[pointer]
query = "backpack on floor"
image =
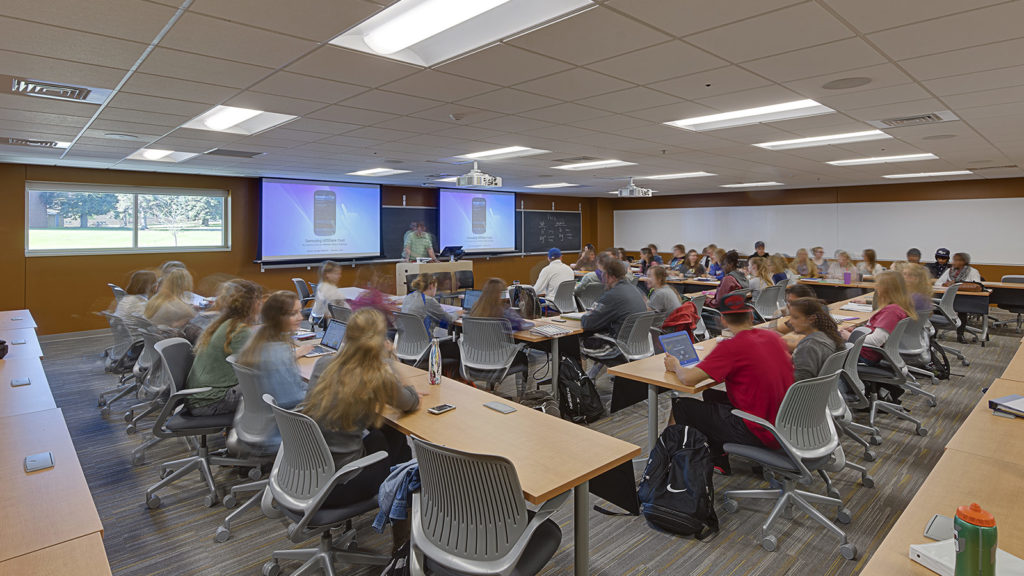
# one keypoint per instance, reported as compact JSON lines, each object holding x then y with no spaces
{"x":677,"y":490}
{"x":540,"y":401}
{"x":939,"y":363}
{"x":578,"y":400}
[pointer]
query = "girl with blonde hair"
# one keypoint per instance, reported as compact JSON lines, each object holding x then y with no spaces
{"x":169,"y":306}
{"x":803,"y":266}
{"x":893,"y":304}
{"x":328,"y":289}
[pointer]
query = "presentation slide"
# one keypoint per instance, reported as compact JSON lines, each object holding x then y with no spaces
{"x":303,"y":219}
{"x":478,"y":221}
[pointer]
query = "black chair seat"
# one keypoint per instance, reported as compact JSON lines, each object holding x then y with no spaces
{"x":874,"y":371}
{"x":776,"y":459}
{"x":542,"y":546}
{"x":940,"y":320}
{"x":184,"y":422}
{"x":332,"y":516}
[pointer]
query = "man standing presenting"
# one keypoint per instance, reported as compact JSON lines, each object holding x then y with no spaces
{"x":553,"y":274}
{"x":418,"y":244}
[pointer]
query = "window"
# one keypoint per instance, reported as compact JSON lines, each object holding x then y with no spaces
{"x":97,"y":219}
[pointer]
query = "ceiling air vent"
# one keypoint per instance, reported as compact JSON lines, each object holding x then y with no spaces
{"x":233,"y":153}
{"x":34,"y":143}
{"x":54,"y":90}
{"x":916,"y":120}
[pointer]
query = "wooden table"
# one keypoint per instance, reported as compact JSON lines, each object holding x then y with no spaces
{"x":47,"y":507}
{"x":959,"y":478}
{"x":990,"y":436}
{"x":551,"y":455}
{"x":83,"y":556}
{"x":13,"y":319}
{"x":29,"y":349}
{"x":1015,"y":369}
{"x":33,"y":397}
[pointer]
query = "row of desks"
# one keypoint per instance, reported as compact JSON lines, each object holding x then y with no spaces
{"x":50,"y":524}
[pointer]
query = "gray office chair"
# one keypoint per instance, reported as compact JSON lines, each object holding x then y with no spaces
{"x":564,"y":300}
{"x":853,"y":372}
{"x":843,"y":419}
{"x":305,"y":297}
{"x":300,"y":482}
{"x":804,"y":429}
{"x":590,"y":294}
{"x":633,"y":342}
{"x":767,"y":302}
{"x":412,"y":341}
{"x":118,"y":291}
{"x":712,"y":318}
{"x":470,"y":518}
{"x":945,"y":318}
{"x":701,"y":332}
{"x":915,"y":346}
{"x":120,"y":360}
{"x":892,"y":370}
{"x":488,"y":352}
{"x":339,"y":312}
{"x":839,"y":404}
{"x":1016,"y":306}
{"x":152,"y":384}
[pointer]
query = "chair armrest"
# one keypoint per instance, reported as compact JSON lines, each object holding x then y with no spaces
{"x":297,"y":532}
{"x":778,"y":438}
{"x":174,"y":402}
{"x":604,"y":337}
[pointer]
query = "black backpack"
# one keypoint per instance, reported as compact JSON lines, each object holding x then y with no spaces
{"x":677,"y":491}
{"x":578,"y":400}
{"x":540,"y":401}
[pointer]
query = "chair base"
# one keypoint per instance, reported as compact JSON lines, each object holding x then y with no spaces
{"x":201,"y":461}
{"x":897,"y":411}
{"x":224,"y":530}
{"x":323,"y":558}
{"x":850,"y":429}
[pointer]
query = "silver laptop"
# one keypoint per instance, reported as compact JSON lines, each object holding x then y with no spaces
{"x":331,"y":342}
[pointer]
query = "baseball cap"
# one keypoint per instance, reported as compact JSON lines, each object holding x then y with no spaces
{"x":554,"y":253}
{"x":942,"y":253}
{"x":733,"y":304}
{"x":759,"y":244}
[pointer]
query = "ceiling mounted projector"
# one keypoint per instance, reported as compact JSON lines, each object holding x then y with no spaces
{"x":631,"y":191}
{"x":476,"y":178}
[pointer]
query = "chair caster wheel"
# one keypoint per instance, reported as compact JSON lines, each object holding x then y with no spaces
{"x":730,"y":506}
{"x":965,"y":363}
{"x":769,"y":543}
{"x":833,"y":493}
{"x":255,"y":474}
{"x":875,"y":440}
{"x":867,"y":481}
{"x":922,"y":431}
{"x":131,"y":429}
{"x":222,"y":535}
{"x":129,"y":416}
{"x":271,"y":568}
{"x":210,"y":501}
{"x":138,"y":459}
{"x":869,"y":456}
{"x":849,"y":551}
{"x":844,"y":516}
{"x":105,"y":411}
{"x":932,"y":403}
{"x":101,"y":402}
{"x":230,"y":501}
{"x":153,"y":502}
{"x":165,"y":473}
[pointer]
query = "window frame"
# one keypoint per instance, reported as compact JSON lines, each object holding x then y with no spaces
{"x":135,"y":192}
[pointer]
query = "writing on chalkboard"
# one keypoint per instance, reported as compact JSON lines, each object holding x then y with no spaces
{"x":545,"y":230}
{"x":552,"y":230}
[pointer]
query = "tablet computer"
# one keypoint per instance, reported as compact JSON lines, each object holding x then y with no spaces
{"x":679,"y":345}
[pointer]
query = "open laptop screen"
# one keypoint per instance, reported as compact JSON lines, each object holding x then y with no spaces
{"x":334,"y":335}
{"x":470,"y":298}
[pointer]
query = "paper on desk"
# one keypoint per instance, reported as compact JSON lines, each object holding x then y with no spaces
{"x":940,"y":557}
{"x":857,"y":307}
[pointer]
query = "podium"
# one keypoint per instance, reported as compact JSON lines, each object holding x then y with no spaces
{"x":404,"y":269}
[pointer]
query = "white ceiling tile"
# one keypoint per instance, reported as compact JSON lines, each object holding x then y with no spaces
{"x":220,"y":38}
{"x":391,"y":102}
{"x":509,"y":101}
{"x":307,"y":87}
{"x":469,"y":133}
{"x":593,"y":35}
{"x":830,"y":58}
{"x":672,"y":112}
{"x":382,"y":134}
{"x":882,"y":76}
{"x":272,"y":103}
{"x":696,"y":15}
{"x":343,"y":65}
{"x":874,"y":15}
{"x":321,"y":126}
{"x":668,"y":60}
{"x":38,"y":39}
{"x":504,"y":65}
{"x":879,"y":97}
{"x":155,"y":118}
{"x":150,"y":85}
{"x":411,"y":124}
{"x":564,"y":113}
{"x":19,"y":102}
{"x":711,"y":83}
{"x":981,"y":26}
{"x":439,"y":86}
{"x":41,"y":118}
{"x":154,"y":104}
{"x":965,"y":61}
{"x":349,"y":115}
{"x":788,"y":29}
{"x":612,"y":123}
{"x":573,"y":84}
{"x":128,"y":19}
{"x":630,"y":99}
{"x":568,"y":133}
{"x":319,"y":20}
{"x":177,"y":64}
{"x":61,"y":71}
{"x":512,"y":124}
{"x":1010,"y":95}
{"x":977,"y":82}
{"x":121,"y":127}
{"x":763,"y":96}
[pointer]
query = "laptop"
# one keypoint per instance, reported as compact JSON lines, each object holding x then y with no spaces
{"x":331,"y":342}
{"x":679,"y":345}
{"x":469,"y":298}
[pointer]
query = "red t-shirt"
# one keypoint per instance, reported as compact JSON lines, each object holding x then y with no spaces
{"x":885,"y":319}
{"x":757,"y":370}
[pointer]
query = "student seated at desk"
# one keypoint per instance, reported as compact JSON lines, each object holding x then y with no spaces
{"x":893,"y":303}
{"x":348,"y":395}
{"x":715,"y":269}
{"x":587,"y":260}
{"x":960,"y":271}
{"x":819,"y":260}
{"x":759,"y":275}
{"x":733,"y":279}
{"x":802,"y":265}
{"x":914,"y":256}
{"x":553,"y":274}
{"x":239,"y":303}
{"x":141,"y":286}
{"x":646,"y":260}
{"x":841,"y":267}
{"x":421,"y":302}
{"x":811,"y":319}
{"x":328,"y":290}
{"x":759,"y":250}
{"x":779,"y":268}
{"x":661,"y":297}
{"x":272,"y":352}
{"x":618,"y":301}
{"x":169,"y":307}
{"x":793,"y":292}
{"x":757,"y":371}
{"x":869,"y":265}
{"x":655,"y":257}
{"x":706,"y":256}
{"x":941,"y":263}
{"x":691,"y":268}
{"x":678,"y":262}
{"x":919,"y":285}
{"x":490,"y":304}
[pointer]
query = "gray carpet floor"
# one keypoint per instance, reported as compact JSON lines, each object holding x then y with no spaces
{"x":178,"y":537}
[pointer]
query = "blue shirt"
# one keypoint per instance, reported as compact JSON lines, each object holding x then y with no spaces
{"x":716,"y":271}
{"x":778,"y":277}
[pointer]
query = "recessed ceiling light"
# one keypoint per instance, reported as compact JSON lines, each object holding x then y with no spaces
{"x":753,"y":185}
{"x":379,"y":172}
{"x":449,"y":179}
{"x":930,"y":174}
{"x":596,"y":164}
{"x":884,"y":159}
{"x":501,"y":153}
{"x":846,"y":138}
{"x":119,"y":136}
{"x":674,"y":176}
{"x":846,"y":83}
{"x":236,"y":120}
{"x":554,"y":185}
{"x":773,"y":113}
{"x":425,"y":32}
{"x":159,"y":155}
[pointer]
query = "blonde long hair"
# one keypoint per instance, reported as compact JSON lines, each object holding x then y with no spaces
{"x":237,"y":302}
{"x":812,"y":268}
{"x":917,"y":278}
{"x":760,"y":266}
{"x":172,"y":287}
{"x":777,"y":263}
{"x":891,"y":289}
{"x":358,"y":384}
{"x":275,"y":313}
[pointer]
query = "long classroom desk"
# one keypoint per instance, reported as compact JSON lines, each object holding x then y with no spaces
{"x":21,"y":343}
{"x":83,"y":556}
{"x":13,"y":319}
{"x":32,"y":397}
{"x":989,"y":436}
{"x":1015,"y":369}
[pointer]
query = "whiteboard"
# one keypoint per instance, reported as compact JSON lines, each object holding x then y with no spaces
{"x":990,"y":229}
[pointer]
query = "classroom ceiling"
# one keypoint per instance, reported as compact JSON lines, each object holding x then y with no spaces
{"x":597,"y":85}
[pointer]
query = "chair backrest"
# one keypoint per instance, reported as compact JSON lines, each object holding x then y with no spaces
{"x":471,"y":505}
{"x":892,"y":344}
{"x":301,"y":288}
{"x":486,"y":343}
{"x":836,"y":362}
{"x":408,"y":281}
{"x":304,"y":462}
{"x":122,"y":337}
{"x":783,"y":281}
{"x":915,"y":338}
{"x":946,"y":304}
{"x":464,"y":280}
{"x":411,"y":338}
{"x":1013,"y":279}
{"x":339,"y":312}
{"x":156,"y":380}
{"x":804,"y":419}
{"x":698,"y":302}
{"x":254,"y":425}
{"x":767,"y":302}
{"x":591,"y":294}
{"x":118,"y":291}
{"x":634,"y":337}
{"x":176,"y":357}
{"x":564,"y":298}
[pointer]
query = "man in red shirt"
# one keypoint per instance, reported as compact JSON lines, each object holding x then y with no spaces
{"x":757,"y":370}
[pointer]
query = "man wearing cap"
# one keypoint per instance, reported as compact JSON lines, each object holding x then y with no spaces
{"x":759,"y":250}
{"x":914,"y":256}
{"x":553,"y":274}
{"x":757,"y":370}
{"x":941,"y":263}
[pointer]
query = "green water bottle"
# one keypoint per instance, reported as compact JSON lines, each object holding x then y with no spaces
{"x":975,"y":538}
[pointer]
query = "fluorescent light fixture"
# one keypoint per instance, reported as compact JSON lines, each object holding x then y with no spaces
{"x":502,"y":153}
{"x":554,"y":185}
{"x":773,"y":113}
{"x":59,"y":144}
{"x":930,"y":174}
{"x":427,"y":32}
{"x":234,"y":120}
{"x":847,"y":138}
{"x":594,"y":165}
{"x":753,"y":185}
{"x":449,"y":179}
{"x":158,"y":155}
{"x":676,"y":176}
{"x":379,"y":172}
{"x":884,"y":159}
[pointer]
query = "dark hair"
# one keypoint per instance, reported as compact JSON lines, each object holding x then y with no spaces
{"x":653,"y":247}
{"x":820,"y":317}
{"x":615,"y":268}
{"x":659,"y":274}
{"x":681,"y":248}
{"x":732,"y":258}
{"x":963,"y":256}
{"x":800,"y":291}
{"x":645,"y":251}
{"x":870,"y":257}
{"x":141,"y":282}
{"x":737,"y":318}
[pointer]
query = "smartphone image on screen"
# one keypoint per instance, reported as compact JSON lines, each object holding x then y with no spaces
{"x":479,"y":215}
{"x":324,"y":213}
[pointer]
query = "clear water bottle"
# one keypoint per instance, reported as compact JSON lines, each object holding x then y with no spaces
{"x":434,"y":363}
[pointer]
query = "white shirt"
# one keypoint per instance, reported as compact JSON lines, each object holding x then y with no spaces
{"x":552,"y":275}
{"x":327,"y":293}
{"x":972,"y":276}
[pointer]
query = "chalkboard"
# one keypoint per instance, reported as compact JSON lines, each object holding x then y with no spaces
{"x":545,"y":230}
{"x":394,"y":223}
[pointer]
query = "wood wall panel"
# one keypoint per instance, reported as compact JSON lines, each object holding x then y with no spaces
{"x":12,"y":236}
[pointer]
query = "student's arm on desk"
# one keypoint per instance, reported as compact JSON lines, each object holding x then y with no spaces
{"x":688,"y":376}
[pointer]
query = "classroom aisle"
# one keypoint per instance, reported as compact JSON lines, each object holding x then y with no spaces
{"x":178,"y":538}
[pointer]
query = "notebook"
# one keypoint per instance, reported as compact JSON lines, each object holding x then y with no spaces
{"x":679,"y":345}
{"x":1012,"y":404}
{"x":331,"y":341}
{"x":940,"y":557}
